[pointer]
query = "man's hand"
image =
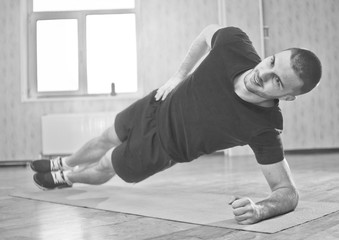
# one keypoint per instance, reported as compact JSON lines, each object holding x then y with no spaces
{"x":245,"y":210}
{"x":167,"y":88}
{"x":198,"y":49}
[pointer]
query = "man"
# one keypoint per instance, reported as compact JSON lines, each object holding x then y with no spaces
{"x":230,"y":99}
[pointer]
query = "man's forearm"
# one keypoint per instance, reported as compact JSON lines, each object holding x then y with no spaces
{"x":197,"y":50}
{"x":281,"y":201}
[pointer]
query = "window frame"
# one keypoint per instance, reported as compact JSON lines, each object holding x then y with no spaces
{"x":30,"y":87}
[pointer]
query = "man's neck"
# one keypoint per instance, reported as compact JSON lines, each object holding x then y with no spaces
{"x":241,"y":90}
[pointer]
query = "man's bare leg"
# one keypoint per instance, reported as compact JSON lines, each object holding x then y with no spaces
{"x":96,"y":168}
{"x":95,"y":149}
{"x":95,"y":173}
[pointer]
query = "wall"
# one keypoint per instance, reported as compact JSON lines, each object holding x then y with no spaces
{"x":247,"y":15}
{"x":312,"y":120}
{"x":166,"y":30}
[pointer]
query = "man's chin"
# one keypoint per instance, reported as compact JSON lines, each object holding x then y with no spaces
{"x":249,"y":87}
{"x":256,"y":92}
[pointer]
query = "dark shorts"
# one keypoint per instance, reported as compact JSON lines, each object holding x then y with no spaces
{"x":140,"y":154}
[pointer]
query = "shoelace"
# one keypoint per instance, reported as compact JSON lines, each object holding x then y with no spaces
{"x":58,"y":177}
{"x":56,"y":164}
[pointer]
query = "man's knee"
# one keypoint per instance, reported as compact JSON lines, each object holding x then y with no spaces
{"x":105,"y":163}
{"x":104,"y":171}
{"x":110,"y":136}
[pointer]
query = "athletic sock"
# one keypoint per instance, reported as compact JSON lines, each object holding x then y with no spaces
{"x":65,"y":175}
{"x":63,"y":163}
{"x":56,"y":164}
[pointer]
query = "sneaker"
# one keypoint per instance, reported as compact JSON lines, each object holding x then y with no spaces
{"x":46,"y":165}
{"x":51,"y":180}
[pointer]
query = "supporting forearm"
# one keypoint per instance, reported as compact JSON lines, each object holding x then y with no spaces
{"x":281,"y":201}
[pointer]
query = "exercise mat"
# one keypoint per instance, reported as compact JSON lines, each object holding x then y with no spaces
{"x":205,"y":208}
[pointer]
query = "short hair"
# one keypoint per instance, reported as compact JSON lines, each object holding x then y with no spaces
{"x":307,"y":67}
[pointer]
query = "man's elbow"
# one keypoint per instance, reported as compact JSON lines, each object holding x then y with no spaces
{"x":208,"y":33}
{"x":294,"y":198}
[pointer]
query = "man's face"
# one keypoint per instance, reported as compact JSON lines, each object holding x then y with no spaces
{"x":274,"y":78}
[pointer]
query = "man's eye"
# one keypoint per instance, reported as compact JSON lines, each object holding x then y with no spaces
{"x":278,"y":81}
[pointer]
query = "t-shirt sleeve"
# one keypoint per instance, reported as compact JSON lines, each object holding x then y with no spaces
{"x":267,"y":147}
{"x":235,"y":48}
{"x":227,"y":35}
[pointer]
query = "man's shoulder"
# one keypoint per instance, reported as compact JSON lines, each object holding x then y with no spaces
{"x":232,"y":30}
{"x":229,"y":34}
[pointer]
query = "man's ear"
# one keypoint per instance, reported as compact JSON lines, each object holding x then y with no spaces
{"x":288,"y":98}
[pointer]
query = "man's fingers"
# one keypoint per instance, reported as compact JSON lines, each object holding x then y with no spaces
{"x":166,"y":92}
{"x":243,"y":217}
{"x":158,"y":94}
{"x":233,"y":198}
{"x":244,"y":210}
{"x":157,"y":97}
{"x":240,"y":211}
{"x":163,"y":92}
{"x":164,"y":96}
{"x":242,"y":202}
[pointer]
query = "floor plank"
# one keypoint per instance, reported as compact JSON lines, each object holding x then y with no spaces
{"x":316,"y":176}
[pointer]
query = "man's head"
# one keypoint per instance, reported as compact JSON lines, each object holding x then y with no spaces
{"x":307,"y":67}
{"x":285,"y":75}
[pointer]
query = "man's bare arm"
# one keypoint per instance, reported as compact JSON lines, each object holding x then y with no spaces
{"x":283,"y":199}
{"x":198,"y":49}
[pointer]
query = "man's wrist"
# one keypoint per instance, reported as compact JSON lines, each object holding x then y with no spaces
{"x":181,"y":74}
{"x":260,"y":212}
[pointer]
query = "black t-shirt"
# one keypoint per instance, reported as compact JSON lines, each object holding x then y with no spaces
{"x":203,"y":113}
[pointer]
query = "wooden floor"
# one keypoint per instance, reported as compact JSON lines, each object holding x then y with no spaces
{"x":316,"y":175}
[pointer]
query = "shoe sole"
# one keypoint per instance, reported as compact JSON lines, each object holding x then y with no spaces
{"x":32,"y":167}
{"x":48,"y":189}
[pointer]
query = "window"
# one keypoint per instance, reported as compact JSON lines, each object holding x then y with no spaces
{"x":81,"y":48}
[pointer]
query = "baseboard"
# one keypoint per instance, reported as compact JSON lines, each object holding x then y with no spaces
{"x":14,"y":163}
{"x":312,"y":151}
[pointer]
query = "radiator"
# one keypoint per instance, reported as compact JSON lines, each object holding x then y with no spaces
{"x":63,"y":134}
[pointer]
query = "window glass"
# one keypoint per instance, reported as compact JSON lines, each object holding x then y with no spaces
{"x":57,"y":55}
{"x":72,"y":5}
{"x":111,"y":53}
